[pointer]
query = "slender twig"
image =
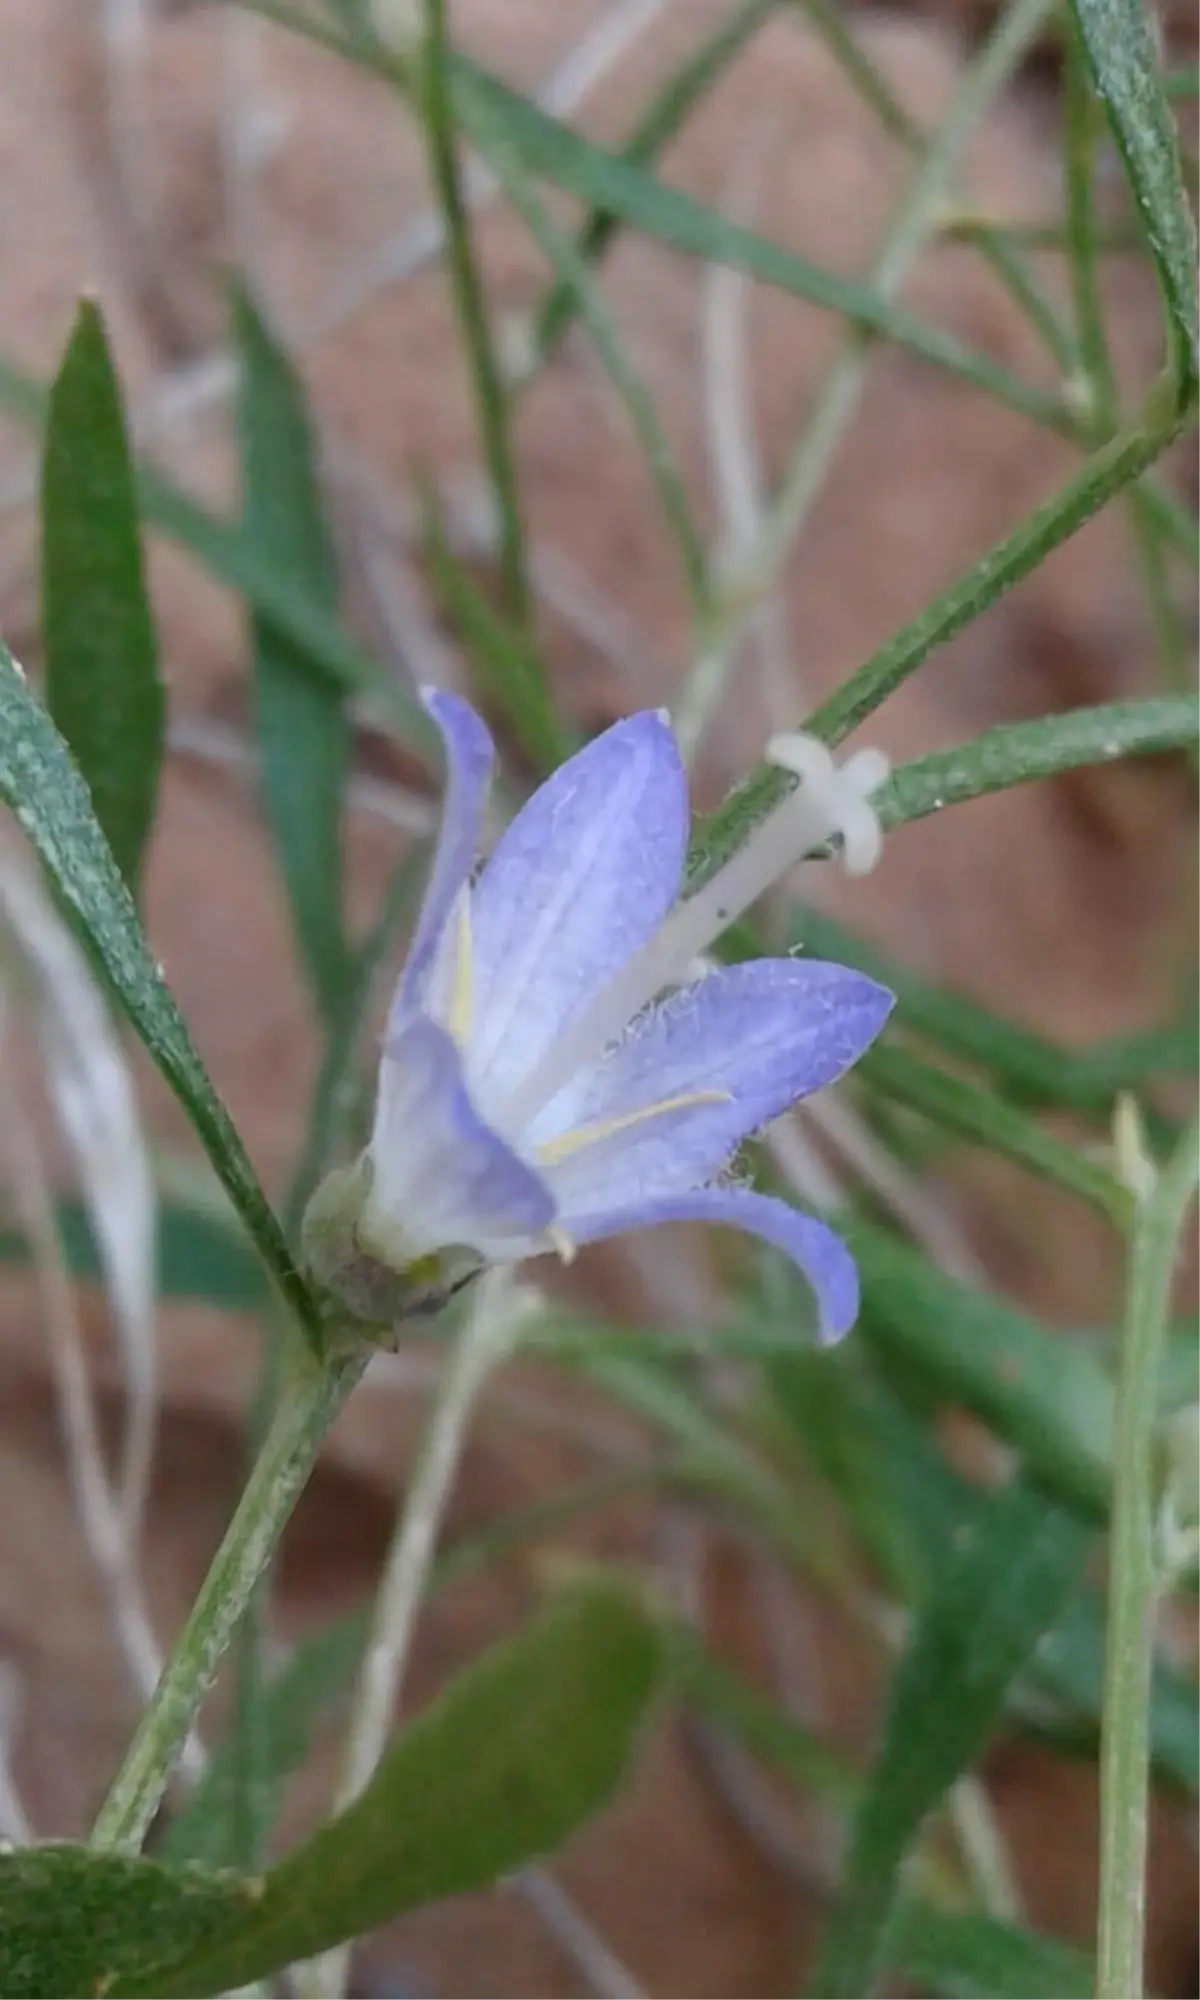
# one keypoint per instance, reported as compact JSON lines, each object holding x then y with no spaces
{"x":731,"y":435}
{"x":577,"y":1936}
{"x":486,"y":1336}
{"x":311,"y":1400}
{"x":603,"y":44}
{"x":15,"y":1824}
{"x":1133,"y":1578}
{"x":915,"y":220}
{"x":100,"y":1515}
{"x":490,"y":400}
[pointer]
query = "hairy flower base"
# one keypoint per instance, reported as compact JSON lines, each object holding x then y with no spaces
{"x":376,"y":1293}
{"x":535,"y":1093}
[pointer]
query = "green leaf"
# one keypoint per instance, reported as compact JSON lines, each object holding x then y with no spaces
{"x":309,"y":1687}
{"x":302,"y":1694}
{"x":767,"y":1731}
{"x":710,"y":1451}
{"x":39,"y":780}
{"x":971,"y":1957}
{"x":617,"y":186}
{"x":1069,"y":1666}
{"x":302,"y":721}
{"x":509,"y":665}
{"x":198,"y":1256}
{"x":661,"y":120}
{"x":1039,"y":1389}
{"x":1013,"y":753}
{"x":1107,"y":472}
{"x":101,"y":654}
{"x":1010,"y":1577}
{"x":74,"y":1921}
{"x":1119,"y":44}
{"x":1018,"y":753}
{"x":975,"y":1113}
{"x":501,"y":1768}
{"x":830,"y":1403}
{"x":1029,"y":1067}
{"x":221,"y":548}
{"x":491,"y":138}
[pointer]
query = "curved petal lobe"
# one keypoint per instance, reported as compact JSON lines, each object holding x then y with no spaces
{"x":441,"y":1176}
{"x":470,"y":754}
{"x":817,"y":1253}
{"x":579,"y":881}
{"x":747,"y":1042}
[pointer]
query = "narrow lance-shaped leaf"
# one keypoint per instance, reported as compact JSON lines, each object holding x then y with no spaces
{"x":1013,"y":753}
{"x":971,"y":1957}
{"x":617,"y":186}
{"x":301,"y":718}
{"x":39,"y":780}
{"x":101,"y":654}
{"x":72,"y":1920}
{"x":219,"y":546}
{"x":1119,"y":43}
{"x":498,"y":1770}
{"x":302,"y":1695}
{"x":1014,"y":1571}
{"x":1048,"y":1398}
{"x":502,"y":1768}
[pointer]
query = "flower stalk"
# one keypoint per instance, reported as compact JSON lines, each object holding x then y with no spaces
{"x":305,"y":1413}
{"x":487,"y":1335}
{"x":1134,"y":1580}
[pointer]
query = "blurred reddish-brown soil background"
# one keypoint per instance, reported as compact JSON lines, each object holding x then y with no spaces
{"x":127,"y":176}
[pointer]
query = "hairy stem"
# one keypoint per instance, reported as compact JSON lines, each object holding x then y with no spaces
{"x":306,"y":1410}
{"x":1133,"y":1582}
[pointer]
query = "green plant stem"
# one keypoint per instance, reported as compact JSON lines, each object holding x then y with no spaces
{"x":1095,"y":360}
{"x":1083,"y":240}
{"x":531,"y":705}
{"x":829,"y":22}
{"x":992,"y":240}
{"x":305,"y":1412}
{"x":915,"y":220}
{"x":1133,"y":1581}
{"x":661,"y":119}
{"x":961,"y":1106}
{"x":483,"y":1341}
{"x":588,"y":301}
{"x":1106,"y":472}
{"x":472,"y":310}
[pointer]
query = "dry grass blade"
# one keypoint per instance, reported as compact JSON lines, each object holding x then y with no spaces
{"x":103,"y":1520}
{"x":577,"y":1936}
{"x":90,"y":1086}
{"x":14,"y":1821}
{"x":737,"y":475}
{"x":604,"y":43}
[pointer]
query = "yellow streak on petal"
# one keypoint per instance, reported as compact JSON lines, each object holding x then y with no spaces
{"x":567,"y":1143}
{"x":462,"y":986}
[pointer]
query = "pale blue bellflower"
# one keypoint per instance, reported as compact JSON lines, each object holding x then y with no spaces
{"x":552,"y":1072}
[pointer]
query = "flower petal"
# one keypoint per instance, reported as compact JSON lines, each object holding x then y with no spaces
{"x":469,"y":753}
{"x":578,"y":883}
{"x":758,"y":1035}
{"x":821,"y":1256}
{"x":441,"y":1176}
